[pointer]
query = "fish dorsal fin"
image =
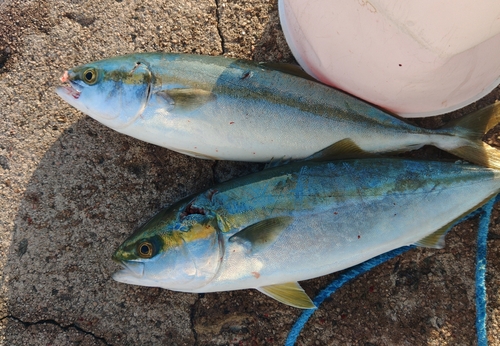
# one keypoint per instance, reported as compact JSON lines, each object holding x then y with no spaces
{"x":262,"y":234}
{"x":436,"y":239}
{"x":290,"y":294}
{"x":345,"y":148}
{"x":291,"y":69}
{"x":187,"y":99}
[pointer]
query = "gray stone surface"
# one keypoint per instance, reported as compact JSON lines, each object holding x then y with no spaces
{"x":71,"y":190}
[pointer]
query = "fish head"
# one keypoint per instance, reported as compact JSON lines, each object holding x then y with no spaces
{"x":114,"y":92}
{"x":173,"y":250}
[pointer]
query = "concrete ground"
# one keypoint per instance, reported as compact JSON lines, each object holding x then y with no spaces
{"x":71,"y":190}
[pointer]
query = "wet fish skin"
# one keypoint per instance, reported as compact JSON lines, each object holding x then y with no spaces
{"x":219,"y":108}
{"x":299,"y":221}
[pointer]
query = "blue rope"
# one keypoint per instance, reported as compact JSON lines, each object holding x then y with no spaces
{"x":336,"y":284}
{"x":372,"y":263}
{"x":482,"y":238}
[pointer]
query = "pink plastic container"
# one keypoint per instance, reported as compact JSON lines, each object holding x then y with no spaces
{"x":414,"y":58}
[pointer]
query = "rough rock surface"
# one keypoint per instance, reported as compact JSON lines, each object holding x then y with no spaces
{"x":72,"y":190}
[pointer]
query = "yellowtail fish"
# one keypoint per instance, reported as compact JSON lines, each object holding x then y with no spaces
{"x":299,"y":221}
{"x":227,"y":109}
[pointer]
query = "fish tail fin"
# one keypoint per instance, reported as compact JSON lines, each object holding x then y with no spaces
{"x":471,"y":128}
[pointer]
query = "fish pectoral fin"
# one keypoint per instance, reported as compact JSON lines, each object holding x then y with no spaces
{"x":263,"y":233}
{"x":436,"y":239}
{"x":186,"y":99}
{"x":343,"y":149}
{"x":290,"y":294}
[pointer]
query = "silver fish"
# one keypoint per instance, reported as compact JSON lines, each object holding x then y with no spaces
{"x":299,"y":221}
{"x":229,"y":109}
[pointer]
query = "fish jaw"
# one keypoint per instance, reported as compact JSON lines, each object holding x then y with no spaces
{"x":71,"y":93}
{"x":134,"y":269}
{"x":132,"y":273}
{"x":124,"y":276}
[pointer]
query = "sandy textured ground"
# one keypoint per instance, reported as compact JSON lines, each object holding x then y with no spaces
{"x":71,"y":190}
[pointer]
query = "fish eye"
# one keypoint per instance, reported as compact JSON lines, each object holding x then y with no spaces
{"x":145,"y":249}
{"x":90,"y":76}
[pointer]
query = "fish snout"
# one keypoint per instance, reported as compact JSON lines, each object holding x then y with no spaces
{"x":65,"y":77}
{"x":69,"y":88}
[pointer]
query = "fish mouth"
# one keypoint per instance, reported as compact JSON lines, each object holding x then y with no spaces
{"x":129,"y":269}
{"x":69,"y":88}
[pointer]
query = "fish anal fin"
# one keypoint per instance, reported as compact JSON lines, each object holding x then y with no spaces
{"x":345,"y":148}
{"x":290,"y":294}
{"x":436,"y":239}
{"x":187,"y":99}
{"x":262,"y":234}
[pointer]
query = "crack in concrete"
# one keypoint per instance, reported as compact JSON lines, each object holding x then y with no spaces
{"x":191,"y":319}
{"x":55,"y":323}
{"x":219,"y":29}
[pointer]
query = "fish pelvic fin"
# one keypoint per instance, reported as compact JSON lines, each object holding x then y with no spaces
{"x":472,"y":127}
{"x":262,"y":234}
{"x":290,"y":294}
